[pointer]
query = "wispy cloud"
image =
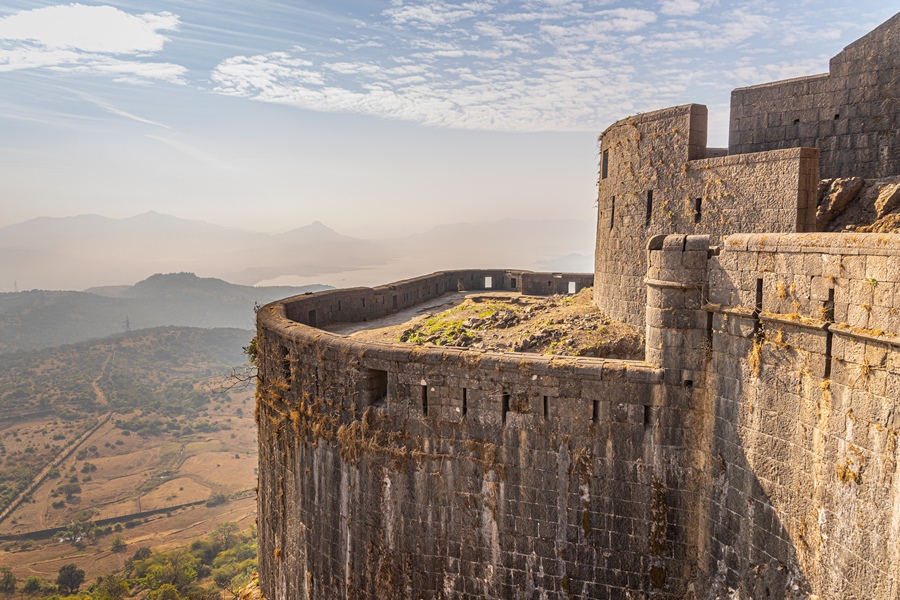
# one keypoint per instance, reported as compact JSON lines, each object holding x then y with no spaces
{"x":529,"y":65}
{"x":519,"y":65}
{"x":116,"y":111}
{"x":684,"y":8}
{"x":88,"y":39}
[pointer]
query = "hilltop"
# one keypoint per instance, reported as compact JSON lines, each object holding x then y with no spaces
{"x":41,"y":319}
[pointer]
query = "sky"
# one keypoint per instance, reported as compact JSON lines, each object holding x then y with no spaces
{"x":375,"y":117}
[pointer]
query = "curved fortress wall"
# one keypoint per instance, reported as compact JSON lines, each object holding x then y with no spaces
{"x":850,"y":113}
{"x":657,"y":177}
{"x":388,"y":470}
{"x":758,"y":455}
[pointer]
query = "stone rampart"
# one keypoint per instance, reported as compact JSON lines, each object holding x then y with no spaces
{"x":388,"y":470}
{"x":753,"y":453}
{"x":800,"y":381}
{"x":804,"y":382}
{"x":850,"y":113}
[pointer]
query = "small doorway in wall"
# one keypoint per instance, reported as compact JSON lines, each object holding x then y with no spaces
{"x":311,"y":318}
{"x":573,"y":287}
{"x":512,"y":282}
{"x":488,"y":283}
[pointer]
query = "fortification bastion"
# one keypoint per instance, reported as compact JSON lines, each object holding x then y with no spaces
{"x":753,"y":450}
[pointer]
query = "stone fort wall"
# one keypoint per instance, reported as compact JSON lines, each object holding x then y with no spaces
{"x":798,"y":338}
{"x":851,"y":114}
{"x":388,"y":470}
{"x":754,"y":451}
{"x":752,"y":454}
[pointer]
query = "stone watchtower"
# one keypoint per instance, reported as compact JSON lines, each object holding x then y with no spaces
{"x":658,"y":177}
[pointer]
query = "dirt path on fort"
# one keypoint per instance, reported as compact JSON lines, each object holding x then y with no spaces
{"x":436,"y":305}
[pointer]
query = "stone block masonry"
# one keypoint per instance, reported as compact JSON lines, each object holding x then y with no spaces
{"x":752,"y":453}
{"x":804,"y":380}
{"x":851,"y":114}
{"x":657,"y":180}
{"x":396,"y":471}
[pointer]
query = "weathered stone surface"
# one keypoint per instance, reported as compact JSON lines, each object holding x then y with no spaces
{"x":850,"y":113}
{"x":836,"y":198}
{"x":888,"y":199}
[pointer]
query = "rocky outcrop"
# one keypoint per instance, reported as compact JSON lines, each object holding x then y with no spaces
{"x":860,"y":205}
{"x":836,"y":195}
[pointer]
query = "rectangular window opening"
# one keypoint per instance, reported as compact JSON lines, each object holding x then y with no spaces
{"x":759,"y":296}
{"x":285,"y":363}
{"x":837,"y":116}
{"x":698,"y":209}
{"x":595,"y":412}
{"x":425,"y":400}
{"x":612,"y":211}
{"x":573,"y":287}
{"x":374,"y":386}
{"x":829,"y":316}
{"x":339,"y":306}
{"x":363,"y":302}
{"x":512,"y":282}
{"x":649,"y":214}
{"x":757,"y":324}
{"x":829,"y":306}
{"x":488,"y":283}
{"x":646,"y":417}
{"x":505,"y":405}
{"x":465,"y":406}
{"x":311,"y":318}
{"x":796,"y":121}
{"x":546,"y":407}
{"x":604,"y":165}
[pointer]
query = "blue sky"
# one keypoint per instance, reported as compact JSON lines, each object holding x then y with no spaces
{"x":374,"y":117}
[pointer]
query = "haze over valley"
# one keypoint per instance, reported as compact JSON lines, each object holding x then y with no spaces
{"x":86,"y":251}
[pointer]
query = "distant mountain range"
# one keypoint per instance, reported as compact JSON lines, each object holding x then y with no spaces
{"x":41,"y":319}
{"x":89,"y":250}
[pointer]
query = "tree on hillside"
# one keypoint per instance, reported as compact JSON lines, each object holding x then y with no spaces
{"x":32,"y":585}
{"x":7,"y":581}
{"x":225,"y":533}
{"x":70,"y":578}
{"x":111,"y":587}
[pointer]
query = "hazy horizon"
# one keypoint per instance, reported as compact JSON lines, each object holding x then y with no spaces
{"x":76,"y":253}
